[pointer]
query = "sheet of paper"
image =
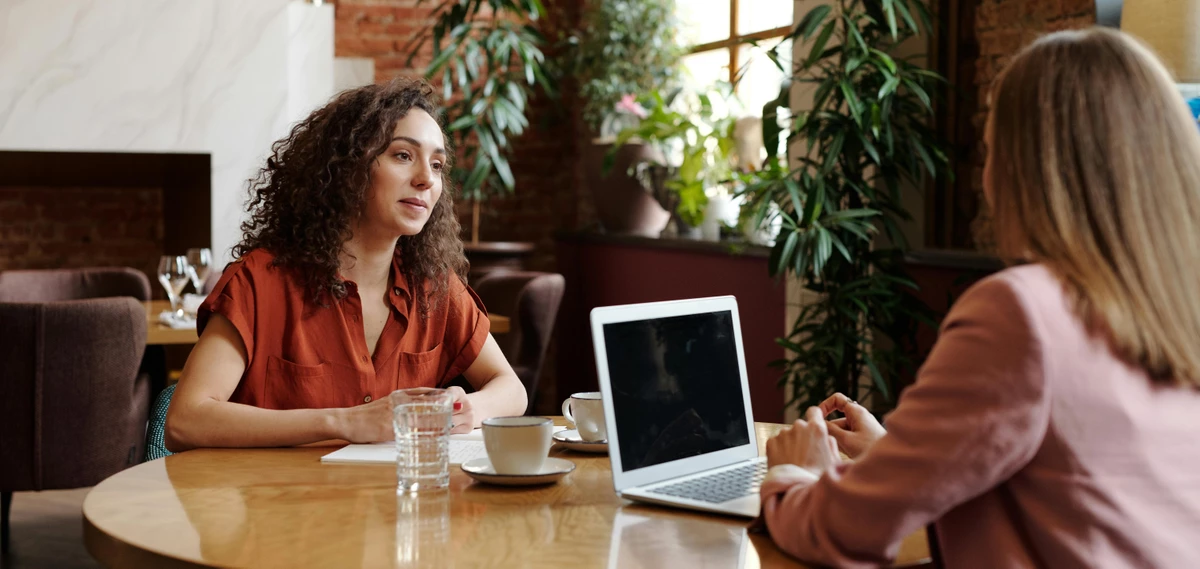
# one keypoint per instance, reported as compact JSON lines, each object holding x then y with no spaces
{"x":463,"y":448}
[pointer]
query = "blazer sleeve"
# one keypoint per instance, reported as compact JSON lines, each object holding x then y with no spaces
{"x":975,"y":416}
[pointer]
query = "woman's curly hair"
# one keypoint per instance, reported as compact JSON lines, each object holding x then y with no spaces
{"x":303,"y":204}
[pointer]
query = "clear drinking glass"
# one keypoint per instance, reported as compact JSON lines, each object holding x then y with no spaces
{"x":421,"y":419}
{"x":174,"y":274}
{"x":201,"y":262}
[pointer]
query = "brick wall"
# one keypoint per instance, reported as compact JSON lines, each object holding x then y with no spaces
{"x":549,"y":179}
{"x":1002,"y":28}
{"x":65,"y":227}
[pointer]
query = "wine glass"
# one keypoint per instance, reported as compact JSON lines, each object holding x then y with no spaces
{"x":174,"y":273}
{"x":201,"y":263}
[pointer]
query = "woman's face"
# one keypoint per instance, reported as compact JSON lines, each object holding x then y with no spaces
{"x":406,"y":180}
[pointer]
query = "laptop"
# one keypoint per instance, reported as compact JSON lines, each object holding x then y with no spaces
{"x":677,"y":404}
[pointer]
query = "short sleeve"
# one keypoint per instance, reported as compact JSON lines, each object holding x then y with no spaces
{"x":234,"y":298}
{"x":467,"y":328}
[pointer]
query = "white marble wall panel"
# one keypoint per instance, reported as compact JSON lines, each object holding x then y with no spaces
{"x":310,"y":58}
{"x":207,"y":76}
{"x":352,"y":72}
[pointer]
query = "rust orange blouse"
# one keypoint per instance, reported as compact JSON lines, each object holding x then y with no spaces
{"x":305,"y":356}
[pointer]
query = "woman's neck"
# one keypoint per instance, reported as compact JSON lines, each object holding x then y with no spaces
{"x":367,"y":261}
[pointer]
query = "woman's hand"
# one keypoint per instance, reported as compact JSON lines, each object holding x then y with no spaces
{"x":464,"y":414}
{"x":806,"y":444}
{"x":367,"y":423}
{"x":855,"y":432}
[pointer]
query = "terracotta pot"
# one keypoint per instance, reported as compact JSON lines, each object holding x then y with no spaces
{"x":623,"y":205}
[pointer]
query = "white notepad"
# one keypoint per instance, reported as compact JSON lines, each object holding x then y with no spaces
{"x":463,"y":448}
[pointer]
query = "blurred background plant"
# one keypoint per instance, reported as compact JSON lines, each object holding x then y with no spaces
{"x":487,"y":56}
{"x":864,"y":141}
{"x":623,"y":47}
{"x":693,"y":134}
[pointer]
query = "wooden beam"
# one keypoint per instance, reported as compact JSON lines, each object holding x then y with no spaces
{"x":731,"y":41}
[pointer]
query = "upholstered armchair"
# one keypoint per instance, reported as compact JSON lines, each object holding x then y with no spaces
{"x":73,"y":402}
{"x":531,"y":300}
{"x":73,"y":284}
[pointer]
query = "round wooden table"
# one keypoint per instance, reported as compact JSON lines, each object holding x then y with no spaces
{"x":283,"y":508}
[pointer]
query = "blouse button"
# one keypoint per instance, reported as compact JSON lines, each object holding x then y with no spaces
{"x":367,"y":399}
{"x":365,"y":358}
{"x":354,"y":318}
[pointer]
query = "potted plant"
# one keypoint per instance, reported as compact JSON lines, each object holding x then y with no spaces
{"x":693,"y":151}
{"x":487,"y":56}
{"x":623,"y":48}
{"x":865,"y":139}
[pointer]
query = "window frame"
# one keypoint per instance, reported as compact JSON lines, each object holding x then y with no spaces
{"x":734,"y":41}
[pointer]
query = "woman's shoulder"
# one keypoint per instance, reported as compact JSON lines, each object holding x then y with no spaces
{"x":256,"y":266}
{"x":1029,"y":296}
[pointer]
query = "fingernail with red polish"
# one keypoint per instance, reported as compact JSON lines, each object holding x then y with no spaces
{"x":458,"y":405}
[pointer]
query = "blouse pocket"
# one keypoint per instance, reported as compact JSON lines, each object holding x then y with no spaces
{"x":421,"y":369}
{"x":283,"y":369}
{"x":296,"y":386}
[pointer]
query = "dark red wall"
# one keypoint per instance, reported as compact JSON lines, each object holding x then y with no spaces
{"x":606,"y":271}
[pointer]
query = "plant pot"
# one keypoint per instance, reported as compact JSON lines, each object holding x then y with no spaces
{"x":623,"y":205}
{"x":496,"y":256}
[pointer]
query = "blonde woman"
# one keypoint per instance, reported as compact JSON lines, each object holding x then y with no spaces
{"x":1057,"y":421}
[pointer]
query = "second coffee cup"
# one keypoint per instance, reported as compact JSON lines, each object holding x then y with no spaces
{"x":586,"y":411}
{"x":517,"y":445}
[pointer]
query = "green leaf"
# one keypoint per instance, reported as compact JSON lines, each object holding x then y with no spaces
{"x":818,"y":48}
{"x":919,"y":92}
{"x":809,"y":23}
{"x":876,"y":377}
{"x":852,"y":101}
{"x":461,"y":123}
{"x":889,"y":9}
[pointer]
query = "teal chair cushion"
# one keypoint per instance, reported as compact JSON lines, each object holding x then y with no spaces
{"x":156,"y":446}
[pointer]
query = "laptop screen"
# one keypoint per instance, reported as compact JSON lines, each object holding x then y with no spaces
{"x":676,"y":387}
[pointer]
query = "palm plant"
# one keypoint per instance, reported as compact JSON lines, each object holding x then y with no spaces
{"x":865,"y":139}
{"x":488,"y":57}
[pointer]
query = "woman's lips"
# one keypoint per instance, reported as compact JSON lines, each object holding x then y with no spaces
{"x":415,"y":203}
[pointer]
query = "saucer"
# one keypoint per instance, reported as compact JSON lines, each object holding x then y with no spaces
{"x":552,"y":471}
{"x":571,"y":440}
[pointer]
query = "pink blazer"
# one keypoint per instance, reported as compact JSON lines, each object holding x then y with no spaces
{"x":1025,"y":439}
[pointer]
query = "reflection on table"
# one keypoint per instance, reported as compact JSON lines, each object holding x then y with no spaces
{"x":282,"y":507}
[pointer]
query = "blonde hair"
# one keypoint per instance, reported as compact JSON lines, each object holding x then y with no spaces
{"x":1094,"y":170}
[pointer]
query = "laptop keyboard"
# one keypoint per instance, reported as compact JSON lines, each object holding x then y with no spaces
{"x":718,"y":487}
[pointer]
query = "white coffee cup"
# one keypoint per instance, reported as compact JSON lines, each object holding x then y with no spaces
{"x":517,"y":445}
{"x":586,"y":411}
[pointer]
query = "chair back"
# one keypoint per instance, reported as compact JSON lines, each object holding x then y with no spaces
{"x":73,"y":405}
{"x":72,"y":284}
{"x":531,"y":301}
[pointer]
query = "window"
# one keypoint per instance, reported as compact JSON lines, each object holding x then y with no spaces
{"x":718,"y":30}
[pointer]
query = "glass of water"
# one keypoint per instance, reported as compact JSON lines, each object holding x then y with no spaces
{"x":421,"y":419}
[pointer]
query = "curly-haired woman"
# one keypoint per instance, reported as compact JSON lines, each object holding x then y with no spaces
{"x":348,"y":284}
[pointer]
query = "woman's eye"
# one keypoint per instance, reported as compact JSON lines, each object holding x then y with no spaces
{"x":437,"y":166}
{"x":403,"y":155}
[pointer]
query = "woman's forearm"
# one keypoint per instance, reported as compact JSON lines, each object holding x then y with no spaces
{"x":502,"y":396}
{"x":213,"y":423}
